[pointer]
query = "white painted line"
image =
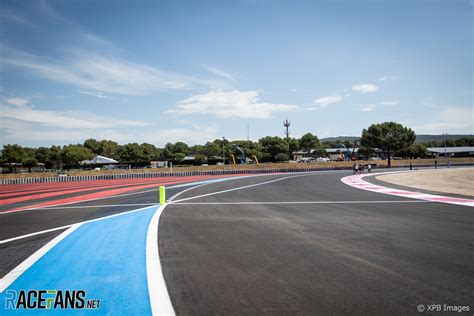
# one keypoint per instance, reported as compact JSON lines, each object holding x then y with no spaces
{"x":125,"y":194}
{"x":242,"y":187}
{"x":66,"y":226}
{"x":91,"y":206}
{"x":159,"y":298}
{"x":186,"y":190}
{"x":33,"y":234}
{"x":8,"y":279}
{"x":297,"y":202}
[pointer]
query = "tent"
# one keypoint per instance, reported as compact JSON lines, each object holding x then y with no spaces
{"x":99,"y":160}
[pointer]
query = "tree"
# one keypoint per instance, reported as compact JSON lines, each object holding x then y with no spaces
{"x":271,"y":146}
{"x":281,"y":157}
{"x":200,"y":159}
{"x":293,"y":144}
{"x":132,"y":152}
{"x":212,"y":149}
{"x":93,"y":145}
{"x":109,"y":148}
{"x":308,"y":141}
{"x":365,"y":152}
{"x":29,"y":163}
{"x":414,"y":151}
{"x":12,"y":154}
{"x":71,"y":155}
{"x":388,"y":137}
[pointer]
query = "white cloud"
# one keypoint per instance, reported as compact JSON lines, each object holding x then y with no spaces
{"x":18,"y":101}
{"x":104,"y":74}
{"x":219,"y":72}
{"x":389,"y":102}
{"x":244,"y":104}
{"x":365,"y":88}
{"x":383,"y":78}
{"x":63,"y":119}
{"x":325,"y":101}
{"x":96,"y":94}
{"x":367,"y":108}
{"x":449,"y":120}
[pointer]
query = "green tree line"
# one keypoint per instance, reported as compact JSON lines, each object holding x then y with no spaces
{"x":390,"y":138}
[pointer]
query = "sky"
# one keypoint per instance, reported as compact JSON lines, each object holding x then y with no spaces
{"x":193,"y":71}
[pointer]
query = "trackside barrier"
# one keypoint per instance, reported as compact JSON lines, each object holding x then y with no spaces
{"x":195,"y":173}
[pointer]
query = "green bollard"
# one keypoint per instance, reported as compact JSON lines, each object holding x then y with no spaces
{"x":162,"y":195}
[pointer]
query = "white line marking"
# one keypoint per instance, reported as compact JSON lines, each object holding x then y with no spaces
{"x":91,"y":206}
{"x":159,"y":298}
{"x":8,"y":279}
{"x":125,"y":194}
{"x":171,"y":187}
{"x":66,"y":226}
{"x":242,"y":187}
{"x":297,"y":202}
{"x":186,"y":190}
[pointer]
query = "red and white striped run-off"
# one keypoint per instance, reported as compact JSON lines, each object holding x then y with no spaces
{"x":356,"y":181}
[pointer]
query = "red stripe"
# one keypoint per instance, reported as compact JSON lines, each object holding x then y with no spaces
{"x":107,"y":193}
{"x":85,"y":187}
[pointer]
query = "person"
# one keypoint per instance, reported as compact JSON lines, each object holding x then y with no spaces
{"x":357,"y":168}
{"x":436,"y":164}
{"x":411,"y":166}
{"x":369,"y":168}
{"x":353,"y":168}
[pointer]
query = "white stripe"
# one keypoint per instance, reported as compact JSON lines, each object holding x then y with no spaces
{"x":242,"y":187}
{"x":297,"y":202}
{"x":66,"y":226}
{"x":159,"y":298}
{"x":90,"y":206}
{"x":8,"y":279}
{"x":124,"y":194}
{"x":171,"y":187}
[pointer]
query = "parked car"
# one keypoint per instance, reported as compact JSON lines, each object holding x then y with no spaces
{"x":322,"y":159}
{"x":307,"y":160}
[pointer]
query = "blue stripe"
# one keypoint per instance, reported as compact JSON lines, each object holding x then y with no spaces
{"x":105,"y":258}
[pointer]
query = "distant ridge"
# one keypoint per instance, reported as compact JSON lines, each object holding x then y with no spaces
{"x":340,"y":138}
{"x":439,"y":138}
{"x":419,"y":138}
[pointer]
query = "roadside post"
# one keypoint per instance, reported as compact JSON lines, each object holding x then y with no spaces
{"x":162,"y":195}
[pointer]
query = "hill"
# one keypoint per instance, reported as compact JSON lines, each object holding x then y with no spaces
{"x":419,"y":138}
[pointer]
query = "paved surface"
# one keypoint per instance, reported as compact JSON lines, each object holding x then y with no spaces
{"x":366,"y":258}
{"x":276,"y":244}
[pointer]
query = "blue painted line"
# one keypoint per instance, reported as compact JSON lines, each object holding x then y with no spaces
{"x":106,"y":258}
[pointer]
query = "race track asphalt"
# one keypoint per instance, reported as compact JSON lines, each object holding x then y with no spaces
{"x":287,"y":244}
{"x":321,"y":259}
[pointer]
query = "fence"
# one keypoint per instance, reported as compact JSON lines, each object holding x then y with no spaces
{"x":65,"y":178}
